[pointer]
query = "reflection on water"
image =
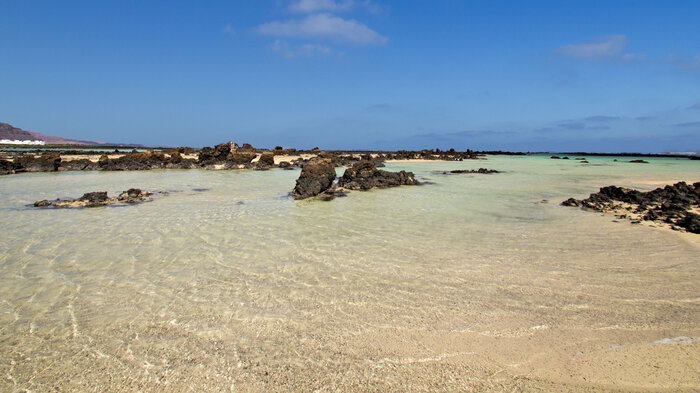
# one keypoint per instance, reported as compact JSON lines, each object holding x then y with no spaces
{"x":477,"y":282}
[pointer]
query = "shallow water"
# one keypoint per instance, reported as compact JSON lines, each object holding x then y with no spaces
{"x":474,"y":282}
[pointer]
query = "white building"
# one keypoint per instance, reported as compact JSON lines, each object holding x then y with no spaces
{"x":16,"y":142}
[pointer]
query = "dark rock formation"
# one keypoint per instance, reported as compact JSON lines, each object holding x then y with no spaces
{"x":100,"y":198}
{"x":82,"y":164}
{"x":214,"y":156}
{"x":480,"y":171}
{"x":365,"y":175}
{"x":285,"y":165}
{"x":671,"y":204}
{"x":7,"y":167}
{"x":639,"y":162}
{"x":316,"y":177}
{"x":134,"y":162}
{"x":48,"y":162}
{"x":555,"y":157}
{"x":266,"y":160}
{"x":241,"y":158}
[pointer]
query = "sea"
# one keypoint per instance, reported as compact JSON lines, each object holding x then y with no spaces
{"x":468,"y":282}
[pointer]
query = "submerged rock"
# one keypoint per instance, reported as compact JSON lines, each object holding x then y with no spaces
{"x":672,"y":204}
{"x":316,"y":177}
{"x":365,"y":175}
{"x":100,"y":198}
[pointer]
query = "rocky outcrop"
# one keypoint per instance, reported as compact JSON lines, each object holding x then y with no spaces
{"x":266,"y":161}
{"x":365,"y":175}
{"x":214,"y":156}
{"x":48,"y":162}
{"x":7,"y":167}
{"x":82,"y":164}
{"x":316,"y":177}
{"x":675,"y":205}
{"x":100,"y":198}
{"x":228,"y":155}
{"x":483,"y":171}
{"x":133,"y":162}
{"x":436,"y":154}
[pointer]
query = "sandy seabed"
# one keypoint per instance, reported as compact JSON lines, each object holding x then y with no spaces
{"x":471,"y":284}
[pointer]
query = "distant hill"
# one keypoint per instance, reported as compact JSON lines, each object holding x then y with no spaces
{"x":17,"y":134}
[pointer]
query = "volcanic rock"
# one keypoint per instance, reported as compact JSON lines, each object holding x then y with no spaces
{"x":82,"y":164}
{"x":316,"y":177}
{"x":480,"y":171}
{"x":48,"y":162}
{"x":364,"y":175}
{"x":100,"y":198}
{"x":672,"y":204}
{"x":266,"y":160}
{"x":7,"y":167}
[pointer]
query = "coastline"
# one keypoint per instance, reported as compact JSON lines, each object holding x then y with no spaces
{"x":472,"y":283}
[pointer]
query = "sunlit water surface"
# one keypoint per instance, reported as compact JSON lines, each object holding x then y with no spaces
{"x":478,"y":282}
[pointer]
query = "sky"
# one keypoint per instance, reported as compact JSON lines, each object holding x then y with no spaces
{"x":599,"y":76}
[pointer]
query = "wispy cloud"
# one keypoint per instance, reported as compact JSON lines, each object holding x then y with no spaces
{"x":610,"y":47}
{"x":305,"y":50}
{"x":307,"y":6}
{"x":695,"y":107}
{"x":690,"y":124}
{"x":380,"y":107}
{"x":690,"y":65}
{"x":324,"y":26}
{"x":310,"y":6}
{"x":228,"y":29}
{"x":572,"y":126}
{"x":476,"y":133}
{"x":602,"y":118}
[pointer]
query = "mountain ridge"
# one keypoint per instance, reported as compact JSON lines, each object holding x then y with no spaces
{"x":10,"y":132}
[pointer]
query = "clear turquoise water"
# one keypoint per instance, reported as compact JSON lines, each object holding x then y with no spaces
{"x":214,"y":289}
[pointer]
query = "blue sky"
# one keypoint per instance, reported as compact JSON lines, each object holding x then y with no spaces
{"x":357,"y":74}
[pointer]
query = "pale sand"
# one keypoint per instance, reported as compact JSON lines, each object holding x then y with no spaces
{"x":290,"y":158}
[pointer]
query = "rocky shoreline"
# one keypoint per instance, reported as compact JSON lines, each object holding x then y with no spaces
{"x":676,"y":206}
{"x":223,"y":156}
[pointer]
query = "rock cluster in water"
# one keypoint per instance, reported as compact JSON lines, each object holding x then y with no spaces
{"x":100,"y":198}
{"x":483,"y":171}
{"x":676,"y":205}
{"x":318,"y":175}
{"x":365,"y":175}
